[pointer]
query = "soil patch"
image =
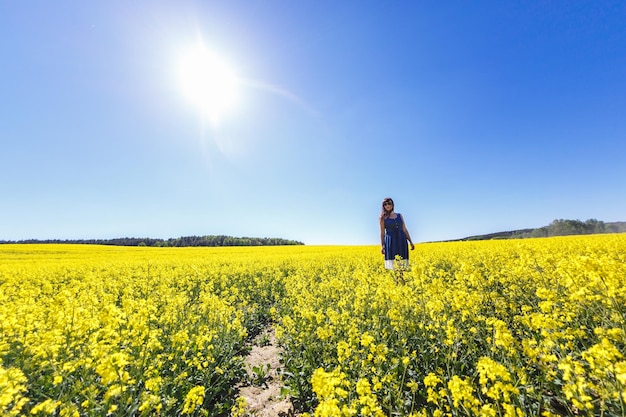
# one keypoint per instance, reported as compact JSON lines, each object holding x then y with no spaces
{"x":263,"y":393}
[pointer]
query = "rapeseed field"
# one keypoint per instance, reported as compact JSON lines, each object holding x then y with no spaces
{"x":495,"y":328}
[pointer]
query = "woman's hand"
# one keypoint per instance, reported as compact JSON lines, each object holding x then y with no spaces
{"x":412,"y":246}
{"x":382,"y":250}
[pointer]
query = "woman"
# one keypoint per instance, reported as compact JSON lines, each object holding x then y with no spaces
{"x":393,"y":235}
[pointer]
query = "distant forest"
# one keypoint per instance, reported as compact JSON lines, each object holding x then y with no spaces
{"x":559,"y":227}
{"x":186,"y":241}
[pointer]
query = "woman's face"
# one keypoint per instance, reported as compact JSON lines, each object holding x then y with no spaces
{"x":388,"y":205}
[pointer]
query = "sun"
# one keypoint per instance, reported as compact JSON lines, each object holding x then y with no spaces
{"x":209,"y":82}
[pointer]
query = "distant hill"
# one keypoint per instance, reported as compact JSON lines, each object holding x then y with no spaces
{"x":558,"y":227}
{"x":620,"y":227}
{"x":186,"y":241}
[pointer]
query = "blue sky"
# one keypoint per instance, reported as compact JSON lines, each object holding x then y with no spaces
{"x":475,"y":117}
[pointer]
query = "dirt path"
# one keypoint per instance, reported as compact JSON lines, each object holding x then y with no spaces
{"x":262,"y":395}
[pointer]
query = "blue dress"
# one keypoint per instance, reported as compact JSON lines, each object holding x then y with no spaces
{"x":395,"y":241}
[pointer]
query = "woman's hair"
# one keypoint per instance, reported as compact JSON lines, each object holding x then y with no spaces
{"x":385,"y":213}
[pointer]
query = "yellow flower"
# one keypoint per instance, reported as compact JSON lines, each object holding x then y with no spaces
{"x":328,"y":408}
{"x":343,"y":351}
{"x":240,"y":407}
{"x":325,"y":383}
{"x":12,"y":387}
{"x":363,"y":387}
{"x":193,"y":399}
{"x":502,"y":335}
{"x":432,"y":380}
{"x":47,"y":407}
{"x":150,"y":402}
{"x":620,"y":373}
{"x":602,"y":355}
{"x":462,"y":393}
{"x":366,"y":339}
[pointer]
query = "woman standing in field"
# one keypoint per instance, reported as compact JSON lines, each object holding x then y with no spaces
{"x":394,"y":236}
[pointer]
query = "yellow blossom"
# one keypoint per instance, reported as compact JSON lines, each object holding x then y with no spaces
{"x":193,"y":399}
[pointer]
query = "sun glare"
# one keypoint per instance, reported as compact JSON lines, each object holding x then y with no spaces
{"x":209,"y":82}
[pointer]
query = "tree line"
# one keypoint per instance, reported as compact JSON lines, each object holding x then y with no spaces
{"x":185,"y":241}
{"x":559,"y":227}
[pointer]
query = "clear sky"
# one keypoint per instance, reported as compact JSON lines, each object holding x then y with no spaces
{"x":294,"y":119}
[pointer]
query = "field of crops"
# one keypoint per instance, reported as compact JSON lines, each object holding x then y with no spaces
{"x":497,"y":328}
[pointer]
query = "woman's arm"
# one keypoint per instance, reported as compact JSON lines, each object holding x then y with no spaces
{"x":406,"y":232}
{"x":382,"y":235}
